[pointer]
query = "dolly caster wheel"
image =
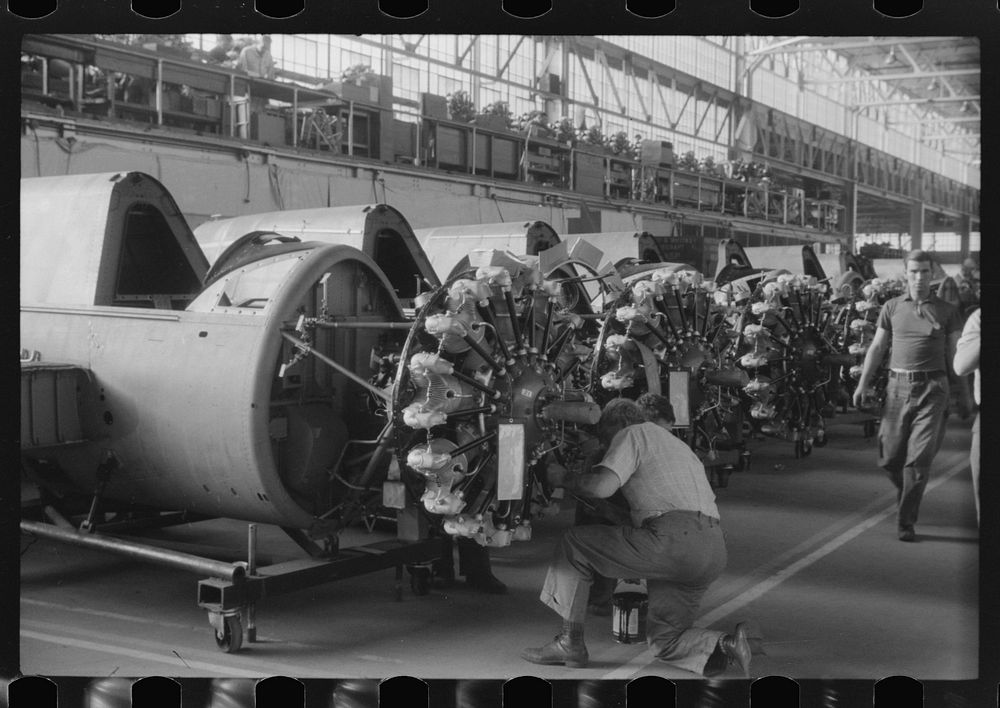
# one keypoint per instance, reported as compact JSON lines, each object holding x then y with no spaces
{"x":820,"y":440}
{"x":869,"y":428}
{"x":229,"y":635}
{"x":420,"y":580}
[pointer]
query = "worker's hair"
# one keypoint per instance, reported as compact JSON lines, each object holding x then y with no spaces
{"x":919,"y":255}
{"x":620,"y":412}
{"x":656,"y":406}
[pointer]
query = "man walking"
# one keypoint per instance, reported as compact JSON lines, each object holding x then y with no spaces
{"x":920,"y":330}
{"x":674,"y":541}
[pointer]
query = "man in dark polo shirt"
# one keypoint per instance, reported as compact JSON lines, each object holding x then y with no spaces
{"x":921,"y":330}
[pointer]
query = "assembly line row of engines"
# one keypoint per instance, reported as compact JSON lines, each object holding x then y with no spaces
{"x":329,"y":396}
{"x":770,"y":353}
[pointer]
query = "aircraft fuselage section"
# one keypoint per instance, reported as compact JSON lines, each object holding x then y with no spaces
{"x":213,"y":409}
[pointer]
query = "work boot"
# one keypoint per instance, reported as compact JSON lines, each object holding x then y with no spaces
{"x":567,"y":648}
{"x":736,"y":648}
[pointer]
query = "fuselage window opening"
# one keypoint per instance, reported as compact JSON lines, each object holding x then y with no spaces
{"x":254,"y":285}
{"x":396,"y":261}
{"x":153,"y":270}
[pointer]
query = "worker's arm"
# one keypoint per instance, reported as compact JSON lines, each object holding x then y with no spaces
{"x":959,"y":387}
{"x":966,"y":350}
{"x":873,"y":359}
{"x":598,"y":482}
{"x":952,"y":347}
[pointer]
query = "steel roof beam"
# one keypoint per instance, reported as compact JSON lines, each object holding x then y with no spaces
{"x":460,"y":59}
{"x":788,"y":45}
{"x":898,"y":77}
{"x":510,"y":56}
{"x":927,"y":101}
{"x":936,"y":119}
{"x":952,"y":136}
{"x":602,"y":61}
{"x":945,"y":81}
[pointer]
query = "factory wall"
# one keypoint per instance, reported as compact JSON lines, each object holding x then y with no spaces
{"x":222,"y":182}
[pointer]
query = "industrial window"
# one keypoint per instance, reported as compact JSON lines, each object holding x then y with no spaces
{"x":298,"y":54}
{"x":405,"y":81}
{"x":448,"y":84}
{"x":153,"y":271}
{"x":349,"y":59}
{"x":942,"y":242}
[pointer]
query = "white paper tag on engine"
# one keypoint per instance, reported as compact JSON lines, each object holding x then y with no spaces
{"x":679,"y":382}
{"x":510,"y":461}
{"x":393,"y":494}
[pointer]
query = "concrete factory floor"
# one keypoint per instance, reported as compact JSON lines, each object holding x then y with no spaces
{"x":814,"y":562}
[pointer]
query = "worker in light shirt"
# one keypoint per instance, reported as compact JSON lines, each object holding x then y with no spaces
{"x":967,"y":362}
{"x":674,"y":541}
{"x":256,"y":59}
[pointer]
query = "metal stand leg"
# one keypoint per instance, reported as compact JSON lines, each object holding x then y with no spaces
{"x":399,"y":583}
{"x":104,"y":471}
{"x":251,"y":630}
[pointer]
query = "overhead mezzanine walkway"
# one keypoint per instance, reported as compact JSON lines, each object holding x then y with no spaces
{"x":823,"y":163}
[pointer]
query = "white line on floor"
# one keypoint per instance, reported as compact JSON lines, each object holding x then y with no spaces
{"x":108,"y":615}
{"x":158,"y":622}
{"x":757,"y":591}
{"x":107,"y":648}
{"x":119,"y":645}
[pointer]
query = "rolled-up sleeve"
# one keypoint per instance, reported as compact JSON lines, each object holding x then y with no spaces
{"x":622,"y":456}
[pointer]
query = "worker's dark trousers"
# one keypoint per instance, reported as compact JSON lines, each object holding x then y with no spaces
{"x":679,"y":554}
{"x":602,"y":587}
{"x":910,"y":434}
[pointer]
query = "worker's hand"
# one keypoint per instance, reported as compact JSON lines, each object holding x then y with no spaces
{"x":863,"y":396}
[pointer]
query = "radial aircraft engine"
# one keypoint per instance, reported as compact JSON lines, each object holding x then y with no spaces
{"x":666,"y":334}
{"x":490,"y":388}
{"x":246,"y":397}
{"x":781,"y":324}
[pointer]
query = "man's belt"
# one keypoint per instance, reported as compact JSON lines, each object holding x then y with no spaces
{"x":915,"y":375}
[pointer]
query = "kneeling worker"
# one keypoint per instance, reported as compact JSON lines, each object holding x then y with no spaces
{"x":675,"y":543}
